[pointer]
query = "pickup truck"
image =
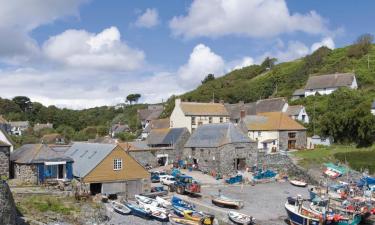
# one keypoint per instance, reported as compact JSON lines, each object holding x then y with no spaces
{"x":167,"y":180}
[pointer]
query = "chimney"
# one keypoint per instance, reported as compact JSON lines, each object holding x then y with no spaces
{"x":242,"y":114}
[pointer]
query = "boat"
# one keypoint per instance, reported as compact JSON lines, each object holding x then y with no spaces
{"x":239,"y":218}
{"x":156,"y":191}
{"x":120,"y":208}
{"x":178,"y":210}
{"x":157,"y":214}
{"x":175,"y":220}
{"x":141,"y":200}
{"x":226,"y":202}
{"x":199,"y":217}
{"x":298,"y":183}
{"x":176,"y":201}
{"x":137,"y":210}
{"x":164,"y":203}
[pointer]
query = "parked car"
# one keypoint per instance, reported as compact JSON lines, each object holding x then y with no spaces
{"x":167,"y":180}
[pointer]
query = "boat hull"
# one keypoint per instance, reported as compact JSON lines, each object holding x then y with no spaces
{"x":226,"y":204}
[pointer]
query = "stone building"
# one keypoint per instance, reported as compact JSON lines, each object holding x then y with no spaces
{"x":4,"y":159}
{"x":37,"y":163}
{"x":274,"y":131}
{"x":220,"y":148}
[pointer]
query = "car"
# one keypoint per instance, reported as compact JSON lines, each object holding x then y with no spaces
{"x":167,"y":180}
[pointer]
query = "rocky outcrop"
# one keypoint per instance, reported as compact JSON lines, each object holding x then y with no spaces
{"x":8,"y":212}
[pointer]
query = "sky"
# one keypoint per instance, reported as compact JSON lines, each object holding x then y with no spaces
{"x":86,"y":53}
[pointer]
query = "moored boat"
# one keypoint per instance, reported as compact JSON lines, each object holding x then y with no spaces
{"x":226,"y":202}
{"x":120,"y":208}
{"x":240,"y":219}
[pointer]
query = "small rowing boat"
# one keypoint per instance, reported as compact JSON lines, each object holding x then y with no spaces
{"x":120,"y":208}
{"x":137,"y":210}
{"x":298,"y":183}
{"x":226,"y":202}
{"x":175,"y":220}
{"x":239,"y":218}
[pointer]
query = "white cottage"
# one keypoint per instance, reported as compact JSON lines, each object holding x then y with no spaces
{"x":326,"y":84}
{"x":298,"y":112}
{"x":193,"y":114}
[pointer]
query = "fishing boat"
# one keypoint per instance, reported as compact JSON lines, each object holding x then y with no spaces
{"x":176,"y":201}
{"x":164,"y":203}
{"x":120,"y":208}
{"x":175,"y":220}
{"x":298,"y":183}
{"x":137,"y":210}
{"x":239,"y":218}
{"x":226,"y":202}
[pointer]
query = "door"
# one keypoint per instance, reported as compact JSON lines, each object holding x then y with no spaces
{"x":291,"y":144}
{"x":61,"y":171}
{"x":95,"y":188}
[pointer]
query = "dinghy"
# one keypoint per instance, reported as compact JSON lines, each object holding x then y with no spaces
{"x":137,"y":210}
{"x":175,"y":220}
{"x":199,"y":217}
{"x":226,"y":202}
{"x":176,"y":201}
{"x":162,"y":202}
{"x":298,"y":183}
{"x":120,"y":208}
{"x":141,"y":200}
{"x":239,"y":218}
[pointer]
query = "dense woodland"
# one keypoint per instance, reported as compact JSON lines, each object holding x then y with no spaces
{"x":345,"y":115}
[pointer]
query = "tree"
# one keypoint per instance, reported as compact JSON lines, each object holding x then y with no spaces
{"x":268,"y":62}
{"x":361,"y":47}
{"x":66,"y":131}
{"x":23,"y":102}
{"x":133,"y":98}
{"x":208,"y":78}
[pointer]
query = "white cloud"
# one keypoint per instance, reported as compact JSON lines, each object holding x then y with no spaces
{"x":81,"y":49}
{"x":256,"y":18}
{"x":18,"y":19}
{"x":202,"y":61}
{"x":328,"y":42}
{"x":150,"y":18}
{"x":245,"y":61}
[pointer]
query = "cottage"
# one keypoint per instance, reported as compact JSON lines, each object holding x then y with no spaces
{"x":118,"y":128}
{"x":41,"y":126}
{"x":272,"y":105}
{"x":4,"y":138}
{"x":19,"y":127}
{"x":315,"y":140}
{"x":151,"y":113}
{"x":39,"y":163}
{"x":235,"y":110}
{"x":4,"y":159}
{"x":155,"y":124}
{"x":326,"y":84}
{"x":298,"y":112}
{"x":193,"y":114}
{"x":53,"y":138}
{"x":108,"y":169}
{"x":220,"y":148}
{"x":297,"y":94}
{"x":274,"y":131}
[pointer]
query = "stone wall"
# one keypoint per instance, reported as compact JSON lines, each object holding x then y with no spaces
{"x":301,"y":139}
{"x":8,"y":212}
{"x":26,"y":173}
{"x":4,"y":161}
{"x":180,"y":144}
{"x":222,"y":159}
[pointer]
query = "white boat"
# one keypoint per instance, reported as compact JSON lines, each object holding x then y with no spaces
{"x":223,"y":201}
{"x":120,"y":208}
{"x":145,"y":200}
{"x":239,"y":218}
{"x":164,"y":203}
{"x":298,"y":183}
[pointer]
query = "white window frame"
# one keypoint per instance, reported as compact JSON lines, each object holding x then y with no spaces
{"x":117,"y":164}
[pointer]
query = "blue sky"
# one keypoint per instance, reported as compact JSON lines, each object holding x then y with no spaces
{"x":80,"y":53}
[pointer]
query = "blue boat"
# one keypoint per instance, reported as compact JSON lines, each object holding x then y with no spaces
{"x":137,"y":210}
{"x":176,"y":201}
{"x":179,"y":211}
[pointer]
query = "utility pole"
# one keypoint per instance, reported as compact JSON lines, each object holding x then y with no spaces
{"x":314,"y":118}
{"x":368,"y":61}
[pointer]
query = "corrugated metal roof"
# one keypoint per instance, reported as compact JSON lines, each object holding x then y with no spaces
{"x":203,"y":109}
{"x":39,"y":153}
{"x":271,"y":121}
{"x":87,"y":156}
{"x":215,"y":135}
{"x":330,"y":81}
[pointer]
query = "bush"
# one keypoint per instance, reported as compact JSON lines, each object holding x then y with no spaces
{"x":361,"y":47}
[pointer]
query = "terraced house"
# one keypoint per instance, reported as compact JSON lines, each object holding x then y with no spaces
{"x":193,"y":114}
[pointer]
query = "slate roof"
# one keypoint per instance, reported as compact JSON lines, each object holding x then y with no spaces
{"x":294,"y":110}
{"x":165,"y":136}
{"x":134,"y":145}
{"x":87,"y":156}
{"x":299,"y":92}
{"x":330,"y":81}
{"x":216,"y":135}
{"x":203,"y":109}
{"x":39,"y":153}
{"x":234,"y":110}
{"x":19,"y":123}
{"x":270,"y":105}
{"x":157,"y":124}
{"x":271,"y":121}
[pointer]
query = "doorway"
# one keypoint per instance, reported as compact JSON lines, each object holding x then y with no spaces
{"x":162,"y":159}
{"x":291,"y":144}
{"x":95,"y":188}
{"x":239,"y":163}
{"x":61,"y":171}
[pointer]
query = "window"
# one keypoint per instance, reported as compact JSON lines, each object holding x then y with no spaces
{"x":292,"y":135}
{"x":117,"y":164}
{"x":303,"y":118}
{"x":210,"y":119}
{"x":193,"y":120}
{"x":221,"y":119}
{"x":259,"y":133}
{"x":273,"y":142}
